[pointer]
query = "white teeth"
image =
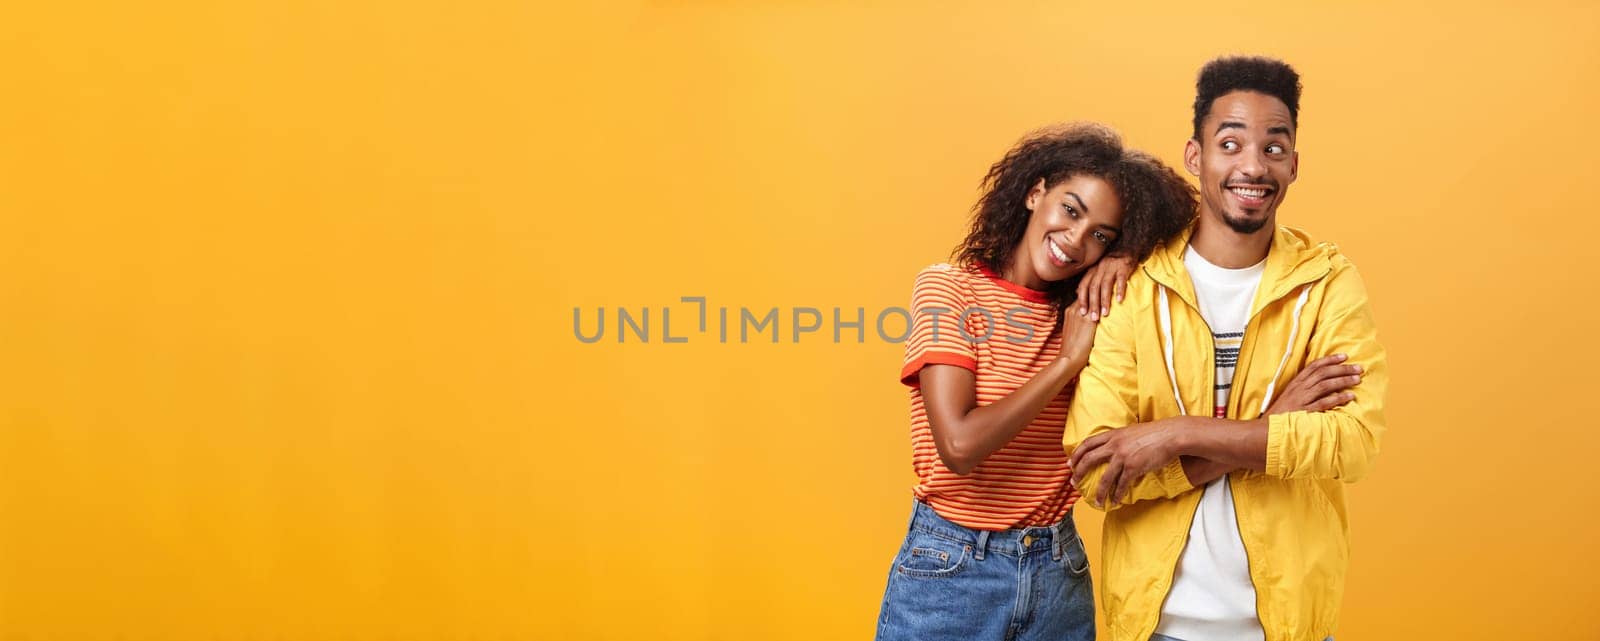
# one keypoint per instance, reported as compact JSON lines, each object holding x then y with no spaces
{"x":1056,"y":251}
{"x":1249,"y":193}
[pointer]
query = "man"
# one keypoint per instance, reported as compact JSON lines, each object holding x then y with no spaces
{"x":1220,"y":469}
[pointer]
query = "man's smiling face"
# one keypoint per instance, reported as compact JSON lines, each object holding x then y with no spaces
{"x":1245,"y":159}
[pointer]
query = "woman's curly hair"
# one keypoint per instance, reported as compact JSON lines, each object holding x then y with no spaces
{"x":1157,"y":203}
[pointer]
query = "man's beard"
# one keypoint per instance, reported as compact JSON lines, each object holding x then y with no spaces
{"x":1245,"y":225}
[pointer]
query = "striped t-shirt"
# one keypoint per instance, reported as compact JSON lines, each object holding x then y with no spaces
{"x":1005,"y":333}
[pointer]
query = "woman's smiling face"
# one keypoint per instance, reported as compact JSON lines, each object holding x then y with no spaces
{"x":1072,"y":226}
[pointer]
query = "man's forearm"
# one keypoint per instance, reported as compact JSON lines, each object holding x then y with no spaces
{"x":1110,"y":464}
{"x":1224,"y":443}
{"x":1202,"y":471}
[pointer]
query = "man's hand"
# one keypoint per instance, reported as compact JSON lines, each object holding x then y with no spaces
{"x":1131,"y":452}
{"x":1128,"y":453}
{"x":1104,"y":278}
{"x":1322,"y":385}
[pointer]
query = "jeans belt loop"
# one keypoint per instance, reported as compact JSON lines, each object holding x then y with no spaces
{"x":1058,"y":542}
{"x":983,"y":544}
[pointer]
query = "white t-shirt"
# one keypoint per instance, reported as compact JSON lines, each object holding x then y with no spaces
{"x":1212,"y":598}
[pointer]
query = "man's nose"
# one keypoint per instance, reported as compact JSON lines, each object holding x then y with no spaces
{"x":1253,"y":166}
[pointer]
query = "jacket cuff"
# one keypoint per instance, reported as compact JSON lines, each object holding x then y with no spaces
{"x":1173,"y":480}
{"x":1277,"y":458}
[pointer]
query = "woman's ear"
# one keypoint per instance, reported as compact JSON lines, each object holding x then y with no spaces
{"x":1034,"y":195}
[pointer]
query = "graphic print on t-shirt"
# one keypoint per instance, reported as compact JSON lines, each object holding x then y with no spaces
{"x":1228,"y":344}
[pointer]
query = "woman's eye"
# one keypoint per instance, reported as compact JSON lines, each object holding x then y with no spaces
{"x":1070,"y":211}
{"x":1101,"y":236}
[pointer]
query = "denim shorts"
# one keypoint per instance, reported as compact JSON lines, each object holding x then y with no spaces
{"x":951,"y":582}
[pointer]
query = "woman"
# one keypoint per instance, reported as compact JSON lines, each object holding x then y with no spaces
{"x":991,"y":551}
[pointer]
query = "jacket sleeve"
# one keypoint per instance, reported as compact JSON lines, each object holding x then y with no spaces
{"x":1341,"y":443}
{"x":1106,"y":398}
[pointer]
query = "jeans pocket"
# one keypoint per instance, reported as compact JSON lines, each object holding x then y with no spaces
{"x":1074,"y":556}
{"x":932,"y":557}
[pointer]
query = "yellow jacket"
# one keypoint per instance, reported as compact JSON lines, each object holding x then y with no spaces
{"x":1310,"y":303}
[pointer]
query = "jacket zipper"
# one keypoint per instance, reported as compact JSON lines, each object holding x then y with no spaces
{"x":1234,"y":398}
{"x":1211,"y":385}
{"x":1233,"y":408}
{"x":1212,"y":379}
{"x":1238,"y":522}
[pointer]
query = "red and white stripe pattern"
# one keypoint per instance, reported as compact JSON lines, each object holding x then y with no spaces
{"x":1025,"y":483}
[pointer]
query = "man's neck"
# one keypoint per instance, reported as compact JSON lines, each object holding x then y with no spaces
{"x":1220,"y":245}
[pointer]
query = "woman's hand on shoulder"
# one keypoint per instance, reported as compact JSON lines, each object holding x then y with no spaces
{"x":1104,"y":280}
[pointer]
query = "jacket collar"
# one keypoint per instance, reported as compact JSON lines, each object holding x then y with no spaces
{"x":1292,"y":260}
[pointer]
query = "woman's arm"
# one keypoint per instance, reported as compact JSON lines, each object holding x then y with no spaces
{"x":966,"y":434}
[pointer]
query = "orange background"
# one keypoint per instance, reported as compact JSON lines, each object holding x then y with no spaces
{"x":288,"y":289}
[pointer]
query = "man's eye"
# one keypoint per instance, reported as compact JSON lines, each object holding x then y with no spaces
{"x":1274,"y":149}
{"x":1229,"y":145}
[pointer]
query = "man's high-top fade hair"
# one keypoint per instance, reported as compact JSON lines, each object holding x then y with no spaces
{"x":1226,"y":75}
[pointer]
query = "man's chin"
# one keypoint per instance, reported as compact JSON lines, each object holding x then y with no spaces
{"x":1246,"y":225}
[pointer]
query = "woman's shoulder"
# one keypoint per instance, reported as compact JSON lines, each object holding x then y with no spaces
{"x":946,"y":284}
{"x":949,"y":273}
